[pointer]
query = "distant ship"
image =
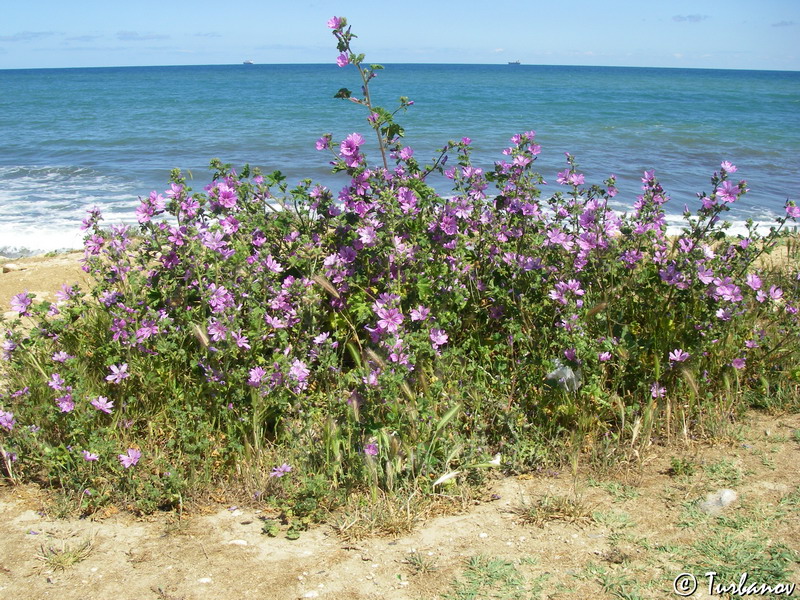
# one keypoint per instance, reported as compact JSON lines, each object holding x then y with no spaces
{"x":514,"y":62}
{"x":248,"y":62}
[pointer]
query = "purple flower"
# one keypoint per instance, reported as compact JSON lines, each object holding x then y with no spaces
{"x":389,"y":319}
{"x":61,"y":357}
{"x":241,"y":340}
{"x":336,"y":22}
{"x":89,"y":456}
{"x":299,"y":371}
{"x":217,"y":330}
{"x":21,"y":302}
{"x":147,"y":330}
{"x":730,"y":292}
{"x":678,"y":355}
{"x":343,"y":60}
{"x":421,"y":313}
{"x":604,"y":356}
{"x":738,"y":363}
{"x":272,"y":264}
{"x":256,"y":375}
{"x":371,"y":449}
{"x":130,"y":458}
{"x":775,"y":292}
{"x":792,"y":210}
{"x":56,"y":382}
{"x":284,"y":469}
{"x":7,"y":420}
{"x":350,"y":145}
{"x":438,"y":337}
{"x":118,"y":373}
{"x":65,"y":403}
{"x":103,"y":404}
{"x":657,"y":390}
{"x":727,"y":192}
{"x":753,"y":281}
{"x":728,"y":167}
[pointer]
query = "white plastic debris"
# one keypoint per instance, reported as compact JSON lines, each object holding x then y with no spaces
{"x":716,"y":501}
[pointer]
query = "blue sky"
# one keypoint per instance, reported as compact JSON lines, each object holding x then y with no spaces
{"x":752,"y":34}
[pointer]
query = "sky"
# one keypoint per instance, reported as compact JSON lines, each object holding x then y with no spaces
{"x":725,"y":34}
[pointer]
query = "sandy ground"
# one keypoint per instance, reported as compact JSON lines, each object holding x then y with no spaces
{"x":41,"y":275}
{"x":632,"y":517}
{"x":632,"y":531}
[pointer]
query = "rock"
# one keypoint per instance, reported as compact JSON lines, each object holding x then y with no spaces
{"x":716,"y":501}
{"x":9,"y":267}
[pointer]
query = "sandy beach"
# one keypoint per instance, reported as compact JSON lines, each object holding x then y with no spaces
{"x":39,"y":275}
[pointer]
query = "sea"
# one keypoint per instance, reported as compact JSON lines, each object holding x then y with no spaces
{"x":71,"y":139}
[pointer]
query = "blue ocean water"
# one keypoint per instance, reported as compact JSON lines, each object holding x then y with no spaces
{"x":74,"y":138}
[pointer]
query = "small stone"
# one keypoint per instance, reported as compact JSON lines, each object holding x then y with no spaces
{"x":238,"y":542}
{"x":8,"y":267}
{"x":205,"y":580}
{"x":483,"y":535}
{"x":311,"y":594}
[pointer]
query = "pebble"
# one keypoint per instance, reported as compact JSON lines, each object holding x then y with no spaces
{"x":8,"y":267}
{"x":238,"y":542}
{"x":205,"y":580}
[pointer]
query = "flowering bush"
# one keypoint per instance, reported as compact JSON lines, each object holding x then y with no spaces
{"x":383,"y":334}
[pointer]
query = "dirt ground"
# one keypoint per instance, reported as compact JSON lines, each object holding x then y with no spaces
{"x":622,"y":533}
{"x":40,"y":275}
{"x":626,"y":536}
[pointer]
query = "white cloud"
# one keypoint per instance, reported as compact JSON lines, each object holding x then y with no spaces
{"x":135,"y":36}
{"x":690,"y":18}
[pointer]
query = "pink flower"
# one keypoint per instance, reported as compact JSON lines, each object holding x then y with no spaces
{"x":728,"y":167}
{"x":336,"y":22}
{"x":389,"y":319}
{"x":371,"y":449}
{"x":21,"y":302}
{"x":130,"y":458}
{"x":351,"y":144}
{"x":343,"y":60}
{"x":792,"y":210}
{"x":738,"y":363}
{"x":438,"y":337}
{"x":89,"y":456}
{"x":753,"y":281}
{"x":299,"y":371}
{"x":678,"y":355}
{"x":103,"y":404}
{"x":256,"y":375}
{"x":420,"y":313}
{"x":727,"y":192}
{"x":284,"y":469}
{"x":7,"y":420}
{"x":118,"y":373}
{"x":65,"y":403}
{"x":56,"y":382}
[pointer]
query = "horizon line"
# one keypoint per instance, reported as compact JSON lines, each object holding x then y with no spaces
{"x":481,"y":64}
